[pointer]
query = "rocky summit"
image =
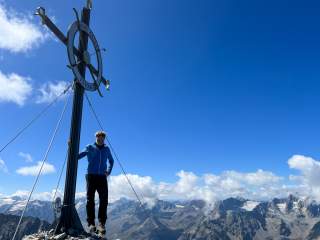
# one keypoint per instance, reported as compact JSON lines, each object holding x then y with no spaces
{"x":49,"y":235}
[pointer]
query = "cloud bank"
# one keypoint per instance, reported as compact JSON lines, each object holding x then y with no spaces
{"x":258,"y":185}
{"x":209,"y":187}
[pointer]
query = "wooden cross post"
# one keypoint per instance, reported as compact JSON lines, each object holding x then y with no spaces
{"x":69,"y":221}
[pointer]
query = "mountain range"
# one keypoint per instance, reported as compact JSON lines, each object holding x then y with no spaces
{"x":232,"y":218}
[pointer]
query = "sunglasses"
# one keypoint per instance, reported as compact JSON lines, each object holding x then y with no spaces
{"x":101,"y":135}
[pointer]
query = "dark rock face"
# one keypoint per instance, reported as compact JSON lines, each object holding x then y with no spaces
{"x":232,"y":221}
{"x":28,"y":225}
{"x":284,"y":229}
{"x":165,"y":220}
{"x":315,"y":232}
{"x":289,"y":218}
{"x":314,"y":209}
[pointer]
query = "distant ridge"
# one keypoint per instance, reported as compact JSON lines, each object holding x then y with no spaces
{"x":232,"y":218}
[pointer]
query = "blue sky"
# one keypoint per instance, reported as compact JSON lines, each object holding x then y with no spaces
{"x":200,"y":86}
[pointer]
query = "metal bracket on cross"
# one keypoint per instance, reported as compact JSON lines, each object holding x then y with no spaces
{"x":89,"y":4}
{"x":75,"y":56}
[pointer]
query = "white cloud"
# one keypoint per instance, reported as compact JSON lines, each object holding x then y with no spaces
{"x":258,"y":178}
{"x":310,"y":173}
{"x":144,"y":186}
{"x":33,"y":170}
{"x":26,"y":156}
{"x":14,"y":88}
{"x":50,"y":90}
{"x":18,"y":33}
{"x":3,"y":166}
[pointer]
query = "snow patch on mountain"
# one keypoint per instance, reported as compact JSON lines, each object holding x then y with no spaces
{"x":250,"y":205}
{"x":282,"y":207}
{"x":179,"y":206}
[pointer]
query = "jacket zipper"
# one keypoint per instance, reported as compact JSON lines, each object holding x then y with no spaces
{"x":100,"y":161}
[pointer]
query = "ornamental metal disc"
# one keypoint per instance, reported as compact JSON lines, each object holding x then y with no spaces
{"x":74,"y":64}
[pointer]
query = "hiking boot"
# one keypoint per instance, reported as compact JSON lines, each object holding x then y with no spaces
{"x":102,"y":228}
{"x":92,"y":228}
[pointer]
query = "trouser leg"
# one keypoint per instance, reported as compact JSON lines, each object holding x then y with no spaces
{"x":91,"y":189}
{"x":103,"y":198}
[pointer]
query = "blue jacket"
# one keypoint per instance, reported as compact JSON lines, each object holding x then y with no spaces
{"x":97,"y":159}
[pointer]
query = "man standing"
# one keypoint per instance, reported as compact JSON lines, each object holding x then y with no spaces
{"x":96,"y":177}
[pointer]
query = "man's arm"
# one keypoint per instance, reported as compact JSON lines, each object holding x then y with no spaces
{"x":83,"y":153}
{"x":111,"y":161}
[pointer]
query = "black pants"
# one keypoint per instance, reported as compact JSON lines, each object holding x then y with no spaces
{"x":97,"y":183}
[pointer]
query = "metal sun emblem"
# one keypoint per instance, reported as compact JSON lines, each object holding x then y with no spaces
{"x":77,"y":57}
{"x":86,"y":58}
